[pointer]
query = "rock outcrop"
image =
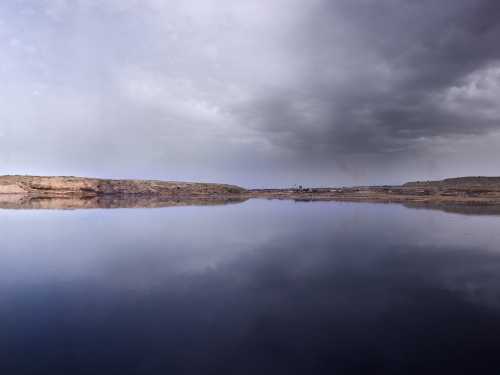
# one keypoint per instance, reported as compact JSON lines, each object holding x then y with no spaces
{"x":91,"y":187}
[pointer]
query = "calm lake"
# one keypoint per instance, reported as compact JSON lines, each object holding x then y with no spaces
{"x":259,"y":287}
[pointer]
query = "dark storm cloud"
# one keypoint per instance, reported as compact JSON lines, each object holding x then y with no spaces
{"x":250,"y":92}
{"x":376,"y":75}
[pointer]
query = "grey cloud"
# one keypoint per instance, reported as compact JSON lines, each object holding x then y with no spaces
{"x":404,"y":56}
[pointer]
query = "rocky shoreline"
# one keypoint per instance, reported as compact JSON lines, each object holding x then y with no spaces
{"x":62,"y":186}
{"x":77,"y":192}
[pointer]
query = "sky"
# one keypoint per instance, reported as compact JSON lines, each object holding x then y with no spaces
{"x":251,"y":92}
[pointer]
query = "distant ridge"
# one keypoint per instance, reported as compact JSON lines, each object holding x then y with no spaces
{"x":468,"y":181}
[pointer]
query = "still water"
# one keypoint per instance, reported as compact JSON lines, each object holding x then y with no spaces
{"x":260,"y":287}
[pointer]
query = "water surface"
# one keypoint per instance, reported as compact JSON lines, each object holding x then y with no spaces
{"x":260,"y":287}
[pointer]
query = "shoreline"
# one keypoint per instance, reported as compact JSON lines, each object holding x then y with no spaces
{"x":77,"y":191}
{"x":381,"y":195}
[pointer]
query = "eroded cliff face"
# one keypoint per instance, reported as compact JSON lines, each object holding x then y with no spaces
{"x":91,"y":187}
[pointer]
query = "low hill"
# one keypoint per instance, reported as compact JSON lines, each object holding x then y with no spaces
{"x":459,"y":182}
{"x":88,"y":187}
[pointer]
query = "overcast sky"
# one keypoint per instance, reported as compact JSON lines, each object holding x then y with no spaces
{"x":251,"y":92}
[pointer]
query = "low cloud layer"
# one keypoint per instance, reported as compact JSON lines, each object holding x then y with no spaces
{"x":251,"y":92}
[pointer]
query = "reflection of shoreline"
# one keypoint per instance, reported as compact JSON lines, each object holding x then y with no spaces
{"x":34,"y":202}
{"x":462,"y":209}
{"x":28,"y":202}
{"x":374,"y":194}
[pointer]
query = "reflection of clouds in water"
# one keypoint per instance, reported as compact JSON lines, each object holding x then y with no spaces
{"x":88,"y":244}
{"x":270,"y":287}
{"x":474,"y":276}
{"x":139,"y":248}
